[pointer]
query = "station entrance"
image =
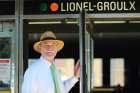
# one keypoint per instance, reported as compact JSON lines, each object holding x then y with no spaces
{"x":105,"y":41}
{"x":68,"y":30}
{"x":113,"y":49}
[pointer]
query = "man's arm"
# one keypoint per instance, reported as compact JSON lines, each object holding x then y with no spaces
{"x":69,"y":83}
{"x":73,"y":80}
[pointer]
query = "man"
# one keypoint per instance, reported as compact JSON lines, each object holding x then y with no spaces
{"x":42,"y":76}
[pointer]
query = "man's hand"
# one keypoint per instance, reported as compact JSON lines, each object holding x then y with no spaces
{"x":77,"y":69}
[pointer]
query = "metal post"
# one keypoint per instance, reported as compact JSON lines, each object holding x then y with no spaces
{"x":19,"y":44}
{"x":83,"y":77}
{"x":91,"y":59}
{"x":91,"y":32}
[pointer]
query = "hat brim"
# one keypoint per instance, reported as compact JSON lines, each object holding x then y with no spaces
{"x":60,"y":45}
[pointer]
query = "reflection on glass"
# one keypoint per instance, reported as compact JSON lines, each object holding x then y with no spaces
{"x":97,"y":76}
{"x":4,"y":73}
{"x":5,"y":53}
{"x":5,"y":47}
{"x":117,"y":71}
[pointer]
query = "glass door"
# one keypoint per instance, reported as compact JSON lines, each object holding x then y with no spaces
{"x":86,"y":53}
{"x":7,"y":67}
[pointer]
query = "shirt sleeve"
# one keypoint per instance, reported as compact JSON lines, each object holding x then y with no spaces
{"x":29,"y":82}
{"x":69,"y":83}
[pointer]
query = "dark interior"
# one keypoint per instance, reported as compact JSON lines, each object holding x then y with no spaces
{"x":110,"y":41}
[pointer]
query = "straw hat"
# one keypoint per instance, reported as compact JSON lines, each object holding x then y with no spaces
{"x":48,"y":36}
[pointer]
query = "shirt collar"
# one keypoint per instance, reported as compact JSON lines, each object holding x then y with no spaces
{"x":46,"y":61}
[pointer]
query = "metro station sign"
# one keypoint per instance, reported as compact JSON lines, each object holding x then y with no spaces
{"x":98,"y":6}
{"x":75,"y":6}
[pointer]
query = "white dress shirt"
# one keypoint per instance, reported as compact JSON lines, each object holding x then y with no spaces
{"x":38,"y":79}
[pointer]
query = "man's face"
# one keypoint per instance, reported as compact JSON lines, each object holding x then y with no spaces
{"x":48,"y":49}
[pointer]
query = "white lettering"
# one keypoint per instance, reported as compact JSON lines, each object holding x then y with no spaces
{"x":119,"y":6}
{"x":62,"y":7}
{"x":125,"y":8}
{"x":132,"y":5}
{"x":113,"y":6}
{"x":100,"y":6}
{"x":106,"y":5}
{"x":90,"y":7}
{"x":79,"y":6}
{"x":85,"y":6}
{"x":72,"y":6}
